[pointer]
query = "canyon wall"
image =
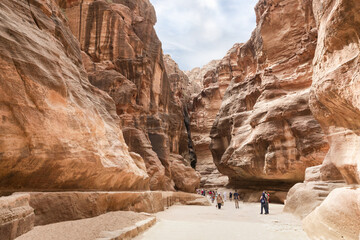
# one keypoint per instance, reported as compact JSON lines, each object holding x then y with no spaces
{"x":57,"y":130}
{"x":334,"y":101}
{"x":213,"y":78}
{"x":265,"y":135}
{"x":123,"y":56}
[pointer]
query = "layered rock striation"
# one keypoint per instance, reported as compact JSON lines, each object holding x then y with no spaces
{"x":57,"y":130}
{"x":123,"y":56}
{"x":204,"y":106}
{"x":265,"y":135}
{"x":334,"y":102}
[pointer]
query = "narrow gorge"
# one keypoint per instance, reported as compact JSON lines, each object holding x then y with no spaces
{"x":95,"y":118}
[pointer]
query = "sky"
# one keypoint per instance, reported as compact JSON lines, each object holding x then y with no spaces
{"x":194,"y":32}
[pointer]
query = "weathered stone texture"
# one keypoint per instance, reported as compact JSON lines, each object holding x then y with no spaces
{"x":51,"y":207}
{"x":16,"y":216}
{"x":57,"y":130}
{"x":334,"y":101}
{"x":124,"y":58}
{"x":203,"y":109}
{"x":337,"y":217}
{"x":265,"y":134}
{"x":196,"y":77}
{"x":335,"y":91}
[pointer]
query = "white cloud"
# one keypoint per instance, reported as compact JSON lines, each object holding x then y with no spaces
{"x":194,"y":32}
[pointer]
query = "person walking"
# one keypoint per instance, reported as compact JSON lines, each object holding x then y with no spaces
{"x":236,"y":199}
{"x":264,"y":206}
{"x":267,"y":196}
{"x":219,"y":201}
{"x":230,"y":196}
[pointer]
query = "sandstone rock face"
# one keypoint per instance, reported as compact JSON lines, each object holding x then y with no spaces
{"x":57,"y":130}
{"x":203,"y":110}
{"x":337,"y":217}
{"x":123,"y":56}
{"x":179,"y":81}
{"x":335,"y":90}
{"x":334,"y":102}
{"x":182,"y":90}
{"x":265,"y":135}
{"x":16,"y":216}
{"x":52,"y":207}
{"x":186,"y":179}
{"x":196,"y":77}
{"x":320,"y":180}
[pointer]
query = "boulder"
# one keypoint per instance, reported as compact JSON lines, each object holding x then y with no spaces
{"x":186,"y":179}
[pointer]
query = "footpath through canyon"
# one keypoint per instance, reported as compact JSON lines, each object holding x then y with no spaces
{"x":95,"y":120}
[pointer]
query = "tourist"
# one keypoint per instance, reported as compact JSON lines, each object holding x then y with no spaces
{"x":230,"y":196}
{"x":236,"y":199}
{"x":219,"y":201}
{"x":224,"y":196}
{"x":263,"y":201}
{"x":267,"y":195}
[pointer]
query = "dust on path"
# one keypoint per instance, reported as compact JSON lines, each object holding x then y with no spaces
{"x":208,"y":223}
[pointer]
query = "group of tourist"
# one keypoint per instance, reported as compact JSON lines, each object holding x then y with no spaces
{"x":221,"y":198}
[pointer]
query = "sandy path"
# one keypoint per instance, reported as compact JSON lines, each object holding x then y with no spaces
{"x":85,"y":229}
{"x":207,"y":223}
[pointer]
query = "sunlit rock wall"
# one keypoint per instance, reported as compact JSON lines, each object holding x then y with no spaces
{"x":57,"y":130}
{"x":123,"y":56}
{"x":265,"y":135}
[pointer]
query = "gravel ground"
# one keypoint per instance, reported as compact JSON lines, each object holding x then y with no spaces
{"x":85,"y":229}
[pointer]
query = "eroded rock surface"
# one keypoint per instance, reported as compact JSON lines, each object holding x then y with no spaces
{"x":186,"y":179}
{"x":57,"y":130}
{"x":16,"y":216}
{"x":265,"y":135}
{"x":203,"y":109}
{"x":336,"y":83}
{"x":123,"y":56}
{"x":196,"y":77}
{"x":337,"y":217}
{"x":52,"y":207}
{"x":334,"y":102}
{"x":303,"y":198}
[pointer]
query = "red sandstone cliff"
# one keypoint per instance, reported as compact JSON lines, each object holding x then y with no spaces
{"x":57,"y":130}
{"x":264,"y":134}
{"x":123,"y":56}
{"x":334,"y":101}
{"x":214,"y":79}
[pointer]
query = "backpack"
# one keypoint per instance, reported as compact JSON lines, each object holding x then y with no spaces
{"x":262,"y":200}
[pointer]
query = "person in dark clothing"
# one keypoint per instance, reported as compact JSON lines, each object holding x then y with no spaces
{"x":264,"y":204}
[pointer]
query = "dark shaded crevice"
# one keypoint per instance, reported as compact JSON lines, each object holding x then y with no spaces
{"x":33,"y":16}
{"x":80,"y":20}
{"x":192,"y":154}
